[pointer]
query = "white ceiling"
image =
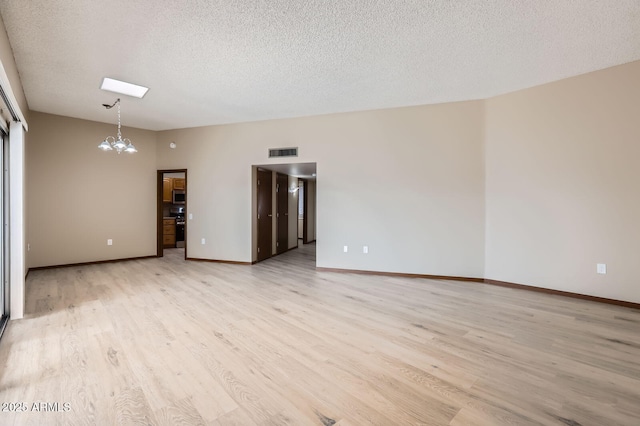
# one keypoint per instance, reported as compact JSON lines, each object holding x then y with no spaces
{"x":211,"y":62}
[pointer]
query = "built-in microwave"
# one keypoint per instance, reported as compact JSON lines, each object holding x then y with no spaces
{"x":178,"y":196}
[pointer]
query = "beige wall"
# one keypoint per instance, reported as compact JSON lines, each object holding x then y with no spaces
{"x":562,"y":184}
{"x":409,"y":184}
{"x":79,"y":196}
{"x":560,"y":193}
{"x":418,"y":170}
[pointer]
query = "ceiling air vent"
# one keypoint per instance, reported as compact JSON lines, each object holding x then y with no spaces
{"x":283,"y":152}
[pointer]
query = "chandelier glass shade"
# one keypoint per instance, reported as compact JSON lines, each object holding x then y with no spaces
{"x":118,"y":143}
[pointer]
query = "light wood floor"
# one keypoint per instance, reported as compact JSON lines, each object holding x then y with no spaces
{"x":164,"y":341}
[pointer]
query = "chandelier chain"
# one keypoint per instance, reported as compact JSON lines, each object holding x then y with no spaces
{"x":119,"y":144}
{"x":119,"y":133}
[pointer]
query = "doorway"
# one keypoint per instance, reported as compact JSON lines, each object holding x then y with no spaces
{"x":276,"y":195}
{"x":307,"y":211}
{"x":172,"y":211}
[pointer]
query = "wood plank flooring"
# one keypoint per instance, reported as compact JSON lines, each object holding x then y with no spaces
{"x":168,"y":342}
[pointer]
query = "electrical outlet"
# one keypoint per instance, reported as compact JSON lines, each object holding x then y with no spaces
{"x":109,"y":242}
{"x":190,"y":216}
{"x":345,"y":249}
{"x":365,"y":249}
{"x":202,"y":241}
{"x":601,"y":268}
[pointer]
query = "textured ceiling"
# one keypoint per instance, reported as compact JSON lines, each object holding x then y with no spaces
{"x":211,"y":62}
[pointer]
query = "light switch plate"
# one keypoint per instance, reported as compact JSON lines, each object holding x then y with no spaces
{"x":601,"y":268}
{"x":345,"y":249}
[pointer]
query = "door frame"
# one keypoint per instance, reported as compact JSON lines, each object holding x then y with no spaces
{"x":159,"y":202}
{"x":305,"y":192}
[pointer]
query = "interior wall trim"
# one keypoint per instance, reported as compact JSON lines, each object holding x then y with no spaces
{"x":492,"y":282}
{"x":400,"y":274}
{"x":289,"y":249}
{"x":564,"y":293}
{"x":95,"y":262}
{"x":231,"y":262}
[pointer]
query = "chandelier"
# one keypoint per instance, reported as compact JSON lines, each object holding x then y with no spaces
{"x":110,"y":143}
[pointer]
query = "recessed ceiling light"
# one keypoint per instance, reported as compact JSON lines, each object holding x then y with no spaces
{"x":123,"y":87}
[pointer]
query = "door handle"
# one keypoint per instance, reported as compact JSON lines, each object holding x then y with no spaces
{"x":270,"y":215}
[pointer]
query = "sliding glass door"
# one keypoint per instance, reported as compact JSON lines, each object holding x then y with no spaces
{"x":4,"y":232}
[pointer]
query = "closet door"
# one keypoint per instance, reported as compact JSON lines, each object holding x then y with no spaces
{"x":265,"y":216}
{"x":282,"y":213}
